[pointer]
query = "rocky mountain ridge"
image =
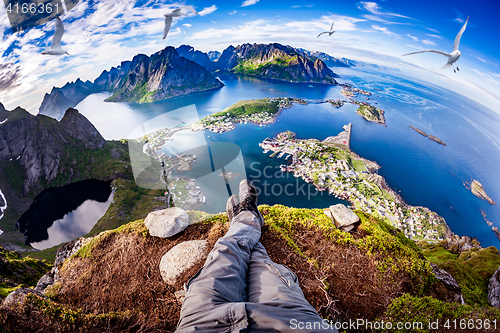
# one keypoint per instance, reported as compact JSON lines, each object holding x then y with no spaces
{"x":39,"y":152}
{"x":201,"y":58}
{"x":275,"y":61}
{"x":328,"y":59}
{"x":162,"y":75}
{"x":60,"y":99}
{"x":38,"y":142}
{"x":184,"y":70}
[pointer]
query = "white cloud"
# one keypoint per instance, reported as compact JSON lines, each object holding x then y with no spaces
{"x":187,"y":25}
{"x":481,"y":59}
{"x":435,"y":36}
{"x":208,"y":10}
{"x":374,"y":8}
{"x":428,"y":42}
{"x":102,"y":37}
{"x":433,"y":30}
{"x":249,"y":3}
{"x":111,"y":33}
{"x":458,"y":19}
{"x":253,"y":30}
{"x":384,"y":30}
{"x":232,"y":13}
{"x":412,"y":37}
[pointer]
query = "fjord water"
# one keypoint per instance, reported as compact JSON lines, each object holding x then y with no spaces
{"x":425,"y":172}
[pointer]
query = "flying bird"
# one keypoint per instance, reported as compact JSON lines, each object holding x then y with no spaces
{"x":454,"y":55}
{"x":175,"y":13}
{"x":190,"y":9}
{"x":328,"y":32}
{"x":55,"y":48}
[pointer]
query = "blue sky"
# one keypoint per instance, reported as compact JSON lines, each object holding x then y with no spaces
{"x":101,"y":34}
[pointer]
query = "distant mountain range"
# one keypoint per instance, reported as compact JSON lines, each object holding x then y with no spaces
{"x":329,"y":60}
{"x":145,"y":79}
{"x":174,"y":72}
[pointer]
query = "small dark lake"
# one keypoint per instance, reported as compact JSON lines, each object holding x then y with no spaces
{"x":61,"y":214}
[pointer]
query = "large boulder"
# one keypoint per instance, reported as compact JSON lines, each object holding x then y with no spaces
{"x":343,"y":217}
{"x":18,"y":296}
{"x":167,"y":222}
{"x":494,"y":289}
{"x":181,"y":258}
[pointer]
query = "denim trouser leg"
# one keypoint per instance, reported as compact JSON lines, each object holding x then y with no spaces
{"x":240,"y":288}
{"x":216,"y":295}
{"x":275,"y":299}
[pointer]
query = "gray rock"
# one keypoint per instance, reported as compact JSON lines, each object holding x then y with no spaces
{"x":181,"y":258}
{"x":343,"y":217}
{"x":167,"y":222}
{"x":449,"y":282}
{"x":494,"y":289}
{"x":46,"y":281}
{"x":18,"y":296}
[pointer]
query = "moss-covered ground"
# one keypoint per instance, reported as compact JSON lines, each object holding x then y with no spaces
{"x":472,"y":269}
{"x":248,"y":107}
{"x":427,"y":314}
{"x":16,"y":271}
{"x":374,"y":273}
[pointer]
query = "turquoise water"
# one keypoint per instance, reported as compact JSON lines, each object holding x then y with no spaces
{"x":425,"y":173}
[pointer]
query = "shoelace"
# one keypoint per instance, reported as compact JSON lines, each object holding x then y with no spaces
{"x":247,"y":204}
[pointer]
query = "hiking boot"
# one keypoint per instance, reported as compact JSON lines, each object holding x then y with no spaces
{"x":232,"y":206}
{"x":247,"y":189}
{"x":248,"y":200}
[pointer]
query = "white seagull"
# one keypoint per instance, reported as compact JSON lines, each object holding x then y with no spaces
{"x":175,"y":13}
{"x":55,"y":48}
{"x":328,"y":32}
{"x":454,"y":55}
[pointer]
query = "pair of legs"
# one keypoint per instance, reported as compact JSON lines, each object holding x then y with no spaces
{"x":240,"y":289}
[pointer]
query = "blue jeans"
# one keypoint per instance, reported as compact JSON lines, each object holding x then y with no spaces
{"x":240,"y":289}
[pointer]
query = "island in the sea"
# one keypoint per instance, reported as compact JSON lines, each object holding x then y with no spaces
{"x":478,"y":190}
{"x":331,"y":165}
{"x":365,"y":110}
{"x":370,"y":113}
{"x":258,"y":111}
{"x":433,"y":138}
{"x":265,"y":111}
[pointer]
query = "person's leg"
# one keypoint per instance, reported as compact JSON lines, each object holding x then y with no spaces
{"x":216,"y":295}
{"x":276,"y":299}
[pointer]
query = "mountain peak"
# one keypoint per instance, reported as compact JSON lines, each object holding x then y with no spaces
{"x":163,"y":75}
{"x":276,"y":61}
{"x":80,"y":128}
{"x":39,"y":142}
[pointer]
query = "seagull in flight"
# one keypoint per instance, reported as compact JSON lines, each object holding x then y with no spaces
{"x":55,"y":48}
{"x":454,"y":55}
{"x":328,"y":32}
{"x":175,"y":13}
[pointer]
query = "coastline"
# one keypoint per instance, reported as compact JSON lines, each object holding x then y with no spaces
{"x":331,"y":165}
